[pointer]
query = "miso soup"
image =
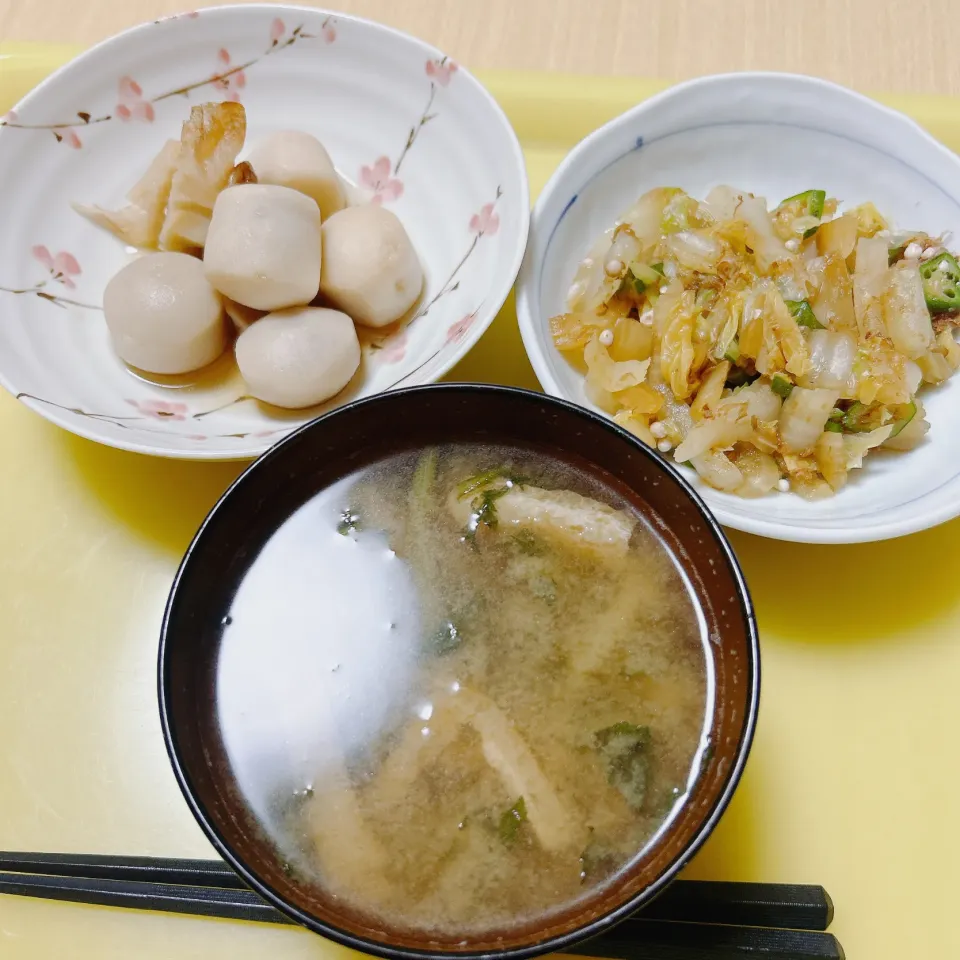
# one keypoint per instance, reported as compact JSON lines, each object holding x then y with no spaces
{"x":463,"y":687}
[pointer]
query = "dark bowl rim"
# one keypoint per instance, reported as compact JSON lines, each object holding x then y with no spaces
{"x":556,"y":943}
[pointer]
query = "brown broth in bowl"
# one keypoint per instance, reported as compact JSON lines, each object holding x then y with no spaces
{"x":461,"y":688}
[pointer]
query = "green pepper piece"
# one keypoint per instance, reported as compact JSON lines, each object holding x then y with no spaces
{"x":645,"y":276}
{"x":895,"y":253}
{"x":658,"y":267}
{"x":836,"y":414}
{"x":733,"y":352}
{"x":781,"y":386}
{"x":630,"y":280}
{"x":809,"y":203}
{"x":911,"y":412}
{"x":941,"y":283}
{"x":831,"y":426}
{"x":802,"y":312}
{"x":854,"y":420}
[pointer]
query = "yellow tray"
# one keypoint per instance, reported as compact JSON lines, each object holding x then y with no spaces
{"x":853,"y":778}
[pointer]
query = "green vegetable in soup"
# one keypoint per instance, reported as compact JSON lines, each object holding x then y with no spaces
{"x":421,"y":492}
{"x":477,"y":482}
{"x":597,"y":862}
{"x":544,"y":588}
{"x":445,"y":639}
{"x":625,"y":751}
{"x":424,"y":477}
{"x":511,"y":822}
{"x":485,"y":479}
{"x":349,"y":522}
{"x":528,"y":543}
{"x":485,"y":508}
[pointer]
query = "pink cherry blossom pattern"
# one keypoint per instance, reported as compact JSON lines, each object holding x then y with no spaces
{"x":131,"y":104}
{"x":277,"y":30}
{"x":161,"y":409}
{"x":187,"y":15}
{"x":458,"y":330}
{"x":229,"y":80}
{"x":377,"y":179}
{"x":63,"y":267}
{"x":41,"y":253}
{"x":196,"y":436}
{"x":394,"y":348}
{"x":441,"y":71}
{"x":329,"y":32}
{"x":486,"y":222}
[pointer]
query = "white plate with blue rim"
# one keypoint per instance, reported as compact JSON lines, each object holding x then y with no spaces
{"x":774,"y":135}
{"x":405,"y":126}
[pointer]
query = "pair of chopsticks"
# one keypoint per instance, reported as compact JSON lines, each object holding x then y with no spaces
{"x":691,"y":920}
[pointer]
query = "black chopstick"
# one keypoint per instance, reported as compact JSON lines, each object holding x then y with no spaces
{"x":786,"y":906}
{"x":201,"y":873}
{"x":661,"y":940}
{"x":141,"y":895}
{"x":690,"y":920}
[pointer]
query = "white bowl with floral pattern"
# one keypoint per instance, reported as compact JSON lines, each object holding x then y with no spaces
{"x":405,"y":125}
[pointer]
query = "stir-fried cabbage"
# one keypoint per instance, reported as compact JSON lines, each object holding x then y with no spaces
{"x":832,"y":356}
{"x":905,"y":311}
{"x":768,"y":349}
